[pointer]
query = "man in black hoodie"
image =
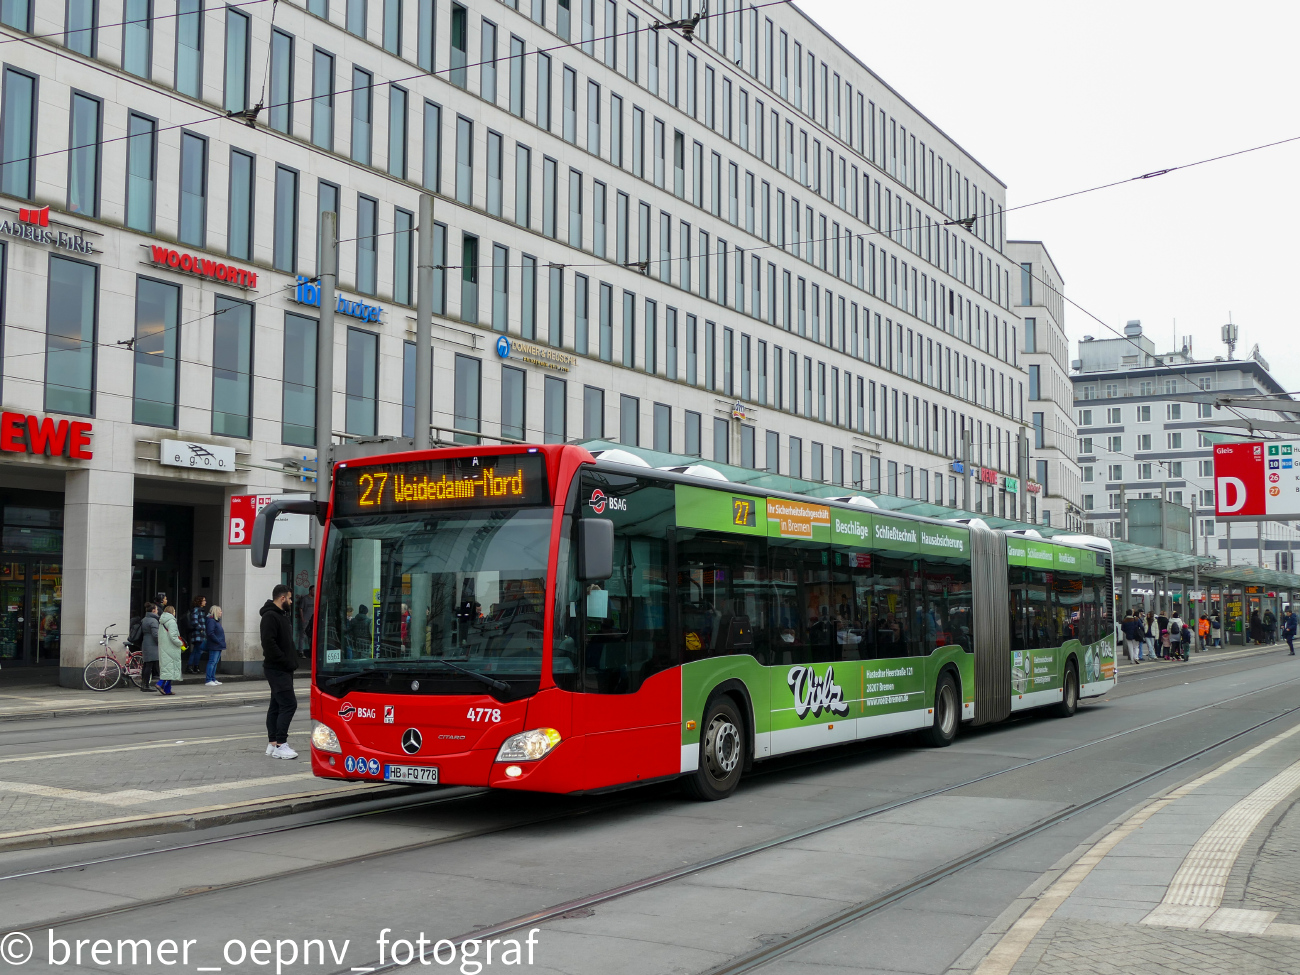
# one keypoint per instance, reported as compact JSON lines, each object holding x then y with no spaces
{"x":279,"y":661}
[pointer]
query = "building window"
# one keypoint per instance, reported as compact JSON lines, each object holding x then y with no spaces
{"x":397,"y":117}
{"x":189,"y":47}
{"x":459,"y":45}
{"x":629,"y":420}
{"x":513,"y":403}
{"x":721,"y":440}
{"x":1144,"y":441}
{"x":80,"y":31}
{"x":464,"y":160}
{"x":367,"y":245}
{"x":362,"y":382}
{"x":1033,"y":382}
{"x":593,"y":413}
{"x":355,"y":17}
{"x":523,"y":185}
{"x":796,"y":457}
{"x":137,"y":37}
{"x":693,"y":434}
{"x":1113,"y":414}
{"x":327,"y":201}
{"x":298,"y":425}
{"x":1038,"y":431}
{"x":72,"y":312}
{"x":517,"y":66}
{"x":322,"y":101}
{"x":1116,"y":444}
{"x":194,"y":190}
{"x":408,"y":389}
{"x":469,"y":279}
{"x":431,"y":175}
{"x":555,"y":410}
{"x":1115,"y":472}
{"x":500,"y":287}
{"x":239,"y":234}
{"x":362,"y":112}
{"x":467,"y":398}
{"x":236,"y":86}
{"x":1031,"y":335}
{"x":140,"y":183}
{"x":663,"y":428}
{"x":487,"y":61}
{"x":280,"y":111}
{"x":285,"y":243}
{"x":1027,"y":285}
{"x":528,"y":297}
{"x":157,"y":327}
{"x":232,"y":368}
{"x":18,"y":134}
{"x":544,"y":91}
{"x":1144,"y":472}
{"x":1175,"y":441}
{"x":1085,"y":473}
{"x":392,"y":37}
{"x":403,"y":224}
{"x":83,"y":156}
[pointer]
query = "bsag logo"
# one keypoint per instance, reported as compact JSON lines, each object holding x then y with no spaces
{"x":390,"y":712}
{"x":816,"y":694}
{"x":347,"y":712}
{"x":599,"y":501}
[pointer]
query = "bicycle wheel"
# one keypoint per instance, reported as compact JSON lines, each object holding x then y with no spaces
{"x":102,"y":674}
{"x":134,"y":666}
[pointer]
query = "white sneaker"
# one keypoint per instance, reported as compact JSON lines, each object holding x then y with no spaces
{"x":283,"y":751}
{"x":211,"y":683}
{"x":270,"y":748}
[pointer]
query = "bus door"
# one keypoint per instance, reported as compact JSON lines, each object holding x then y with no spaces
{"x":628,"y":703}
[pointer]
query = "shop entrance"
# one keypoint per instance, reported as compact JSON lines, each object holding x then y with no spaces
{"x":31,"y":599}
{"x":162,"y":545}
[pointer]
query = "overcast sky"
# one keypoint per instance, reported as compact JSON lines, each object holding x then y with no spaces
{"x":1054,"y":97}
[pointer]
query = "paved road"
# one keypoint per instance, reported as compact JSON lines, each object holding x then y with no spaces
{"x":466,"y":861}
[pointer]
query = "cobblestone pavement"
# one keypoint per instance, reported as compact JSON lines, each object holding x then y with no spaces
{"x":1205,"y":879}
{"x":1081,"y":947}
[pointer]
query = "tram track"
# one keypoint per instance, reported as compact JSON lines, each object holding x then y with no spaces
{"x":632,"y":887}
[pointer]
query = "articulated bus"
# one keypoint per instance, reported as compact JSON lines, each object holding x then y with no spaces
{"x":548,"y":618}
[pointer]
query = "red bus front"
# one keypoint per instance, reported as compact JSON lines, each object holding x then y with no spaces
{"x":435,"y":635}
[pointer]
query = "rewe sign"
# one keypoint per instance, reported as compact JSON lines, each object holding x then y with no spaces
{"x":22,"y":433}
{"x":1257,"y":481}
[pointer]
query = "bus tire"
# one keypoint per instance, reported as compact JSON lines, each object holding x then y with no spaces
{"x":723,"y":747}
{"x":1069,"y":702}
{"x":947,"y":713}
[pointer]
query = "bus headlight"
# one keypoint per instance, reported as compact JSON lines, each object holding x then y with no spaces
{"x":323,"y":738}
{"x":528,"y":746}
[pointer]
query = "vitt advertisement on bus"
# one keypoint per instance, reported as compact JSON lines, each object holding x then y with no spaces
{"x":1257,"y":481}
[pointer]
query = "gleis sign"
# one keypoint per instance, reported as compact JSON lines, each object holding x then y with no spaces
{"x":1257,"y":481}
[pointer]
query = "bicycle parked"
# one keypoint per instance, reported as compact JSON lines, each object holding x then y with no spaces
{"x":107,"y":671}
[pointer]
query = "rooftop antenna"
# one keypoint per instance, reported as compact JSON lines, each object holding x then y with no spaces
{"x":1229,"y":335}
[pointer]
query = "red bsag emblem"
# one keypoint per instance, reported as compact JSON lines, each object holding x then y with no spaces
{"x":346,"y":712}
{"x":597,"y":501}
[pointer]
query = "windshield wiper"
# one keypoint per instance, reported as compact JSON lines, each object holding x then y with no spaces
{"x":499,"y":685}
{"x":371,"y":672}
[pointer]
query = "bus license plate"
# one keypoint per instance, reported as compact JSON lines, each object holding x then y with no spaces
{"x":424,"y":774}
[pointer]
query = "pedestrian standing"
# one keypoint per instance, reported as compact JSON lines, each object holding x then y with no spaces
{"x":1203,"y":631}
{"x":1151,"y":635}
{"x":148,"y":646}
{"x":1289,"y":623}
{"x":216,"y":642}
{"x":1256,"y":627}
{"x":279,"y":661}
{"x":171,"y":649}
{"x":1216,"y":628}
{"x":1270,"y":626}
{"x":197,"y":632}
{"x":1179,"y":637}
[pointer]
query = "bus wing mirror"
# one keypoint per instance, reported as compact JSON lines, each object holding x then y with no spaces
{"x":595,"y":549}
{"x":265,"y":522}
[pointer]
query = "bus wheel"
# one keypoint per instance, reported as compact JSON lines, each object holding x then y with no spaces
{"x":947,"y":714}
{"x":1069,"y":692}
{"x":722,"y":753}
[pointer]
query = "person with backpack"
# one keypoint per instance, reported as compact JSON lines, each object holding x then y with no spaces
{"x":216,"y":642}
{"x":1178,"y":638}
{"x":148,"y":646}
{"x":1289,"y":623}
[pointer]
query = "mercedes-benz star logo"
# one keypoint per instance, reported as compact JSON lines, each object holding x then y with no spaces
{"x":411,"y":741}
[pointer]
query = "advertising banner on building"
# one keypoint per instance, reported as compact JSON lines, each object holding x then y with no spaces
{"x":1257,"y":481}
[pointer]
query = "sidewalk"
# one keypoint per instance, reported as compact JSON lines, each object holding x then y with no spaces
{"x":1201,"y":878}
{"x":20,"y":701}
{"x":1211,"y":655}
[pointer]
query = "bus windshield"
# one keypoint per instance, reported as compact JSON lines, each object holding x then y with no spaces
{"x":448,"y":597}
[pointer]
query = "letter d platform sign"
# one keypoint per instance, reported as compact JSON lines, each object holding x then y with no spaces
{"x":1256,"y":481}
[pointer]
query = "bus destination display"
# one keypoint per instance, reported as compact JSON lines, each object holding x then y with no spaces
{"x":508,"y":480}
